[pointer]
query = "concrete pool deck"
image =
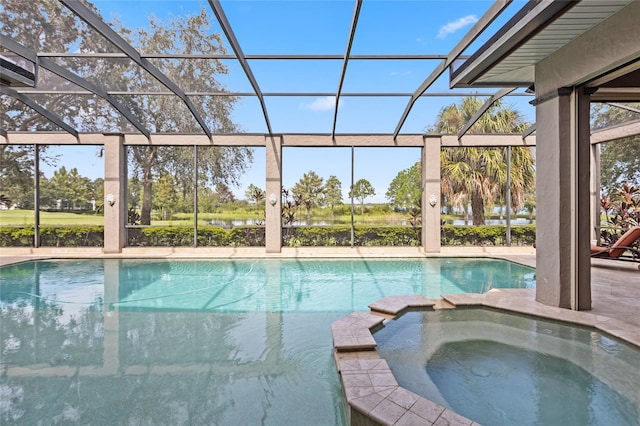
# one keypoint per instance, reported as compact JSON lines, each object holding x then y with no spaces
{"x":369,"y":386}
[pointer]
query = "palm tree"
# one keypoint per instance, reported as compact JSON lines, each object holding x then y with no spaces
{"x":476,"y":177}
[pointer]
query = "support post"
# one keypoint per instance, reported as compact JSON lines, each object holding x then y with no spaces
{"x":431,"y":233}
{"x":195,"y":195}
{"x":115,"y":194}
{"x":508,"y":198}
{"x":353,"y":230}
{"x":273,"y":192}
{"x":36,"y":196}
{"x":563,"y":267}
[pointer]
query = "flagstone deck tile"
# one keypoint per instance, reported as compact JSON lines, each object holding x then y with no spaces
{"x":395,"y":304}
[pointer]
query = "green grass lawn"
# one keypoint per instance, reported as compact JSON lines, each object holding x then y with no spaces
{"x":26,"y":217}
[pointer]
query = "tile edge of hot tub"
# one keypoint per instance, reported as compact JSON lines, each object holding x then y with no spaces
{"x":370,"y":390}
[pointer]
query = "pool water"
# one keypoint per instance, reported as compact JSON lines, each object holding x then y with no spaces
{"x":505,"y":369}
{"x":132,"y":341}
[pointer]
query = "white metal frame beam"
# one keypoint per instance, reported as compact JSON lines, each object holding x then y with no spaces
{"x":625,"y":107}
{"x":266,"y":94}
{"x":261,"y":139}
{"x":529,"y":131}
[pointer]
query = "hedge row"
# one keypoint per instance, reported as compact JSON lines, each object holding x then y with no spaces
{"x":496,"y":235}
{"x":340,"y":236}
{"x":207,"y":237}
{"x":310,"y":236}
{"x":53,"y":236}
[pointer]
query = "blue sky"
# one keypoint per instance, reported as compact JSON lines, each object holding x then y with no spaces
{"x":322,"y":27}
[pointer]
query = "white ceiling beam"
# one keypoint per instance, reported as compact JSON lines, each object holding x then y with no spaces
{"x":526,"y":23}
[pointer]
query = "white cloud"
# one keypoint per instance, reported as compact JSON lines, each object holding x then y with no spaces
{"x":454,"y":26}
{"x":322,"y":104}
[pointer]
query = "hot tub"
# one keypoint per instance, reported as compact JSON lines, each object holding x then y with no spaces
{"x":499,"y":368}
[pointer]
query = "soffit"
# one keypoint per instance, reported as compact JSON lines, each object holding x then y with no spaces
{"x":537,"y":31}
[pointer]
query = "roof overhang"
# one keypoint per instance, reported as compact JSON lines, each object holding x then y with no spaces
{"x":536,"y":31}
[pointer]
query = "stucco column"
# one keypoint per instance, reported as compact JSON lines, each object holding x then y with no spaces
{"x":273,"y":216}
{"x":115,"y":187}
{"x":430,"y":193}
{"x":563,"y":275}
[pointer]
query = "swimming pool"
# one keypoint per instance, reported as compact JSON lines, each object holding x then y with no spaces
{"x":499,"y":368}
{"x":197,"y":342}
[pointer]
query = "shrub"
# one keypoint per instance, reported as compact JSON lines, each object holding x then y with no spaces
{"x":254,"y":236}
{"x":622,"y":211}
{"x":488,"y":235}
{"x":340,"y":236}
{"x":247,"y":236}
{"x":182,"y":236}
{"x":11,"y":236}
{"x":212,"y":237}
{"x":67,"y":236}
{"x":176,"y":236}
{"x":53,"y":236}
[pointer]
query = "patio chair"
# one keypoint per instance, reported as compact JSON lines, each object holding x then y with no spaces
{"x":619,"y":249}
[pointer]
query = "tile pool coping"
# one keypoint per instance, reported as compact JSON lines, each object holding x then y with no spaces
{"x":371,"y":392}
